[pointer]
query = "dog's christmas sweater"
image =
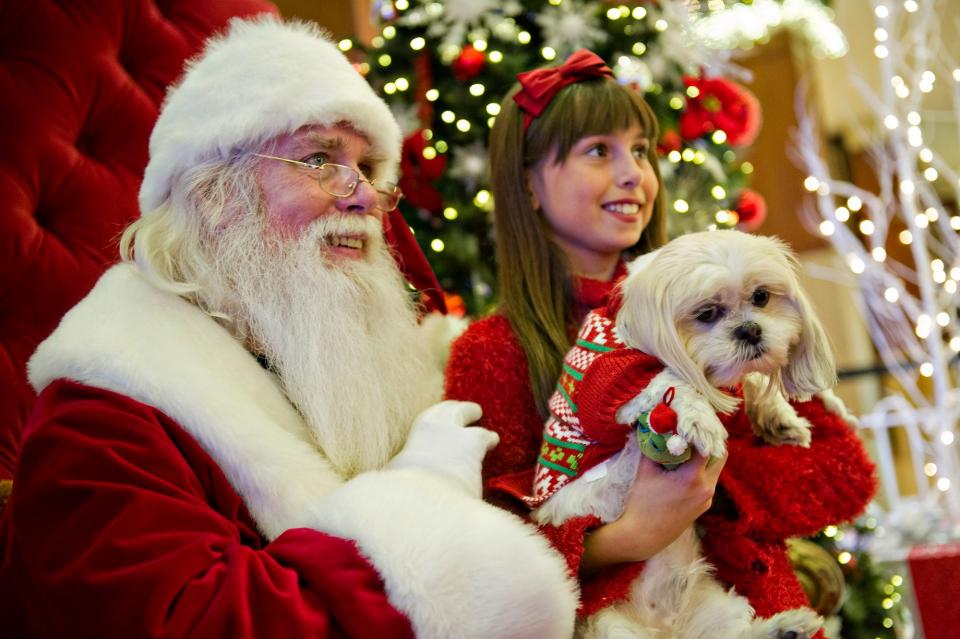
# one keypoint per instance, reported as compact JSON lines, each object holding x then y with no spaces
{"x":581,"y":430}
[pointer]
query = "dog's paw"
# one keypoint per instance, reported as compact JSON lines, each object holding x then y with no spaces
{"x":699,"y":425}
{"x":773,"y":418}
{"x":789,"y":429}
{"x":799,"y":623}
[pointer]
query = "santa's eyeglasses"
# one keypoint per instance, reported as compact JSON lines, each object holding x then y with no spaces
{"x":342,"y":181}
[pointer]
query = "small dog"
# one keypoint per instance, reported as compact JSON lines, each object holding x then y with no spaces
{"x":717,"y":309}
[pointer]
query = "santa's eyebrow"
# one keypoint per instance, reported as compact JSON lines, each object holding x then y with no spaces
{"x":324,"y":142}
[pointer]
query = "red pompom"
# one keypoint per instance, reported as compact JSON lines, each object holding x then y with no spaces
{"x":468,"y":64}
{"x":663,"y":419}
{"x":751,"y":209}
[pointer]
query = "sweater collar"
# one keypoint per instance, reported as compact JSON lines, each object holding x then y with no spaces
{"x":589,"y":294}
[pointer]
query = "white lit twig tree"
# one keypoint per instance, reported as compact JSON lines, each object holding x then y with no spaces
{"x":901,"y":245}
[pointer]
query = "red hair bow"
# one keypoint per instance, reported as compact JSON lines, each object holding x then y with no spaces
{"x":541,"y":85}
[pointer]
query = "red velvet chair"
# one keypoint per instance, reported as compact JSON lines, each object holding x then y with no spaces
{"x":81,"y":83}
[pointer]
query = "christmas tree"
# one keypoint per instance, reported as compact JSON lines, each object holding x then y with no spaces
{"x":444,"y":66}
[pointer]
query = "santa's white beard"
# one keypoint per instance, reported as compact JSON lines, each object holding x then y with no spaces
{"x":340,"y":333}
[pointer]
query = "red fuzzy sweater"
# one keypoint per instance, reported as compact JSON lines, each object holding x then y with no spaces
{"x":765,"y":495}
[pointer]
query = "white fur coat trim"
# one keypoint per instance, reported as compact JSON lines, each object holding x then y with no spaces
{"x":456,"y":566}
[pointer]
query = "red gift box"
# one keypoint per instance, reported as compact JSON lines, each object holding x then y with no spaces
{"x":935,"y":572}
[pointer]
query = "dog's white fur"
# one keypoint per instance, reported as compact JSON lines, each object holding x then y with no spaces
{"x":663,"y":297}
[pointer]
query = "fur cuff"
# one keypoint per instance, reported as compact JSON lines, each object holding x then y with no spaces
{"x":457,"y":567}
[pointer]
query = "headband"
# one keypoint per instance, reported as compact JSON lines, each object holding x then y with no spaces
{"x":538,"y":87}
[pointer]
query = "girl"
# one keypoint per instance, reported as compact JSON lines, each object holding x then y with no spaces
{"x":577,"y":191}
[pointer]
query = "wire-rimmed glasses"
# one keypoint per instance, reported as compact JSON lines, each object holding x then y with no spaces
{"x":342,"y":181}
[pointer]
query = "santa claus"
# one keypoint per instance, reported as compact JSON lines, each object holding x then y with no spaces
{"x":236,"y":432}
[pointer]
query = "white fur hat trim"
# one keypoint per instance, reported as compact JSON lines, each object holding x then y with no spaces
{"x":262,"y":79}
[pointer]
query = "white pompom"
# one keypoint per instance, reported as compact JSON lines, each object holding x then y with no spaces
{"x":676,"y":445}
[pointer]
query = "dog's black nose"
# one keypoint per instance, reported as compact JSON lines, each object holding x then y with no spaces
{"x":749,"y":332}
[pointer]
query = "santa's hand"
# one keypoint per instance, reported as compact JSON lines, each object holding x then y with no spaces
{"x":439,"y":442}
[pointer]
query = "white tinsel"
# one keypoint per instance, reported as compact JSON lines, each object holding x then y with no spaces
{"x":742,"y":25}
{"x":406,"y":115}
{"x":570,"y":26}
{"x":633,"y":71}
{"x":469,"y":165}
{"x":453,"y":20}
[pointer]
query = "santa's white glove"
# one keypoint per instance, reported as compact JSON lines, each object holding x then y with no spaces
{"x":438,"y":442}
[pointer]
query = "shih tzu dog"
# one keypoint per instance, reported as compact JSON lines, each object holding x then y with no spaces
{"x":712,"y":311}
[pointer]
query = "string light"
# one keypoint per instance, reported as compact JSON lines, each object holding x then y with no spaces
{"x":418,"y":43}
{"x":879,"y":254}
{"x":450,"y":213}
{"x":437,"y":245}
{"x":345,"y":45}
{"x":891,"y":295}
{"x":827,"y":228}
{"x":681,"y":206}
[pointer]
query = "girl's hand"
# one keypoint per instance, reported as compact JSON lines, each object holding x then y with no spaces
{"x":660,"y":505}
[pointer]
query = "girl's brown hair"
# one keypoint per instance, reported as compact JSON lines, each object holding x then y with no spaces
{"x":536,"y":293}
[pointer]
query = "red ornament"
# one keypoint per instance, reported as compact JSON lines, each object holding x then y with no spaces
{"x":663,"y":419}
{"x":669,"y":141}
{"x":751,"y":209}
{"x":418,"y":174}
{"x":456,"y":306}
{"x":720,"y":104}
{"x":468,"y":64}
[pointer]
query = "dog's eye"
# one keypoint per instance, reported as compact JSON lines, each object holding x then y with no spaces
{"x":760,"y":297}
{"x":709,"y":314}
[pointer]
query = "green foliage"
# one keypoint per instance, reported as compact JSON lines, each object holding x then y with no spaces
{"x":873,"y":606}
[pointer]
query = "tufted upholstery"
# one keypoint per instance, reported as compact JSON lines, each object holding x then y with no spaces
{"x":81,"y":82}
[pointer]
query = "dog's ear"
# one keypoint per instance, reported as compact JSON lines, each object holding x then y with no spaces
{"x":647,"y":321}
{"x":811,"y":366}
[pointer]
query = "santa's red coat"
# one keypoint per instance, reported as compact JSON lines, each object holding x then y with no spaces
{"x":765,"y":495}
{"x":140,"y":534}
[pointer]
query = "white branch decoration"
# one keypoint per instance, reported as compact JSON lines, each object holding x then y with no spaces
{"x":910,"y":309}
